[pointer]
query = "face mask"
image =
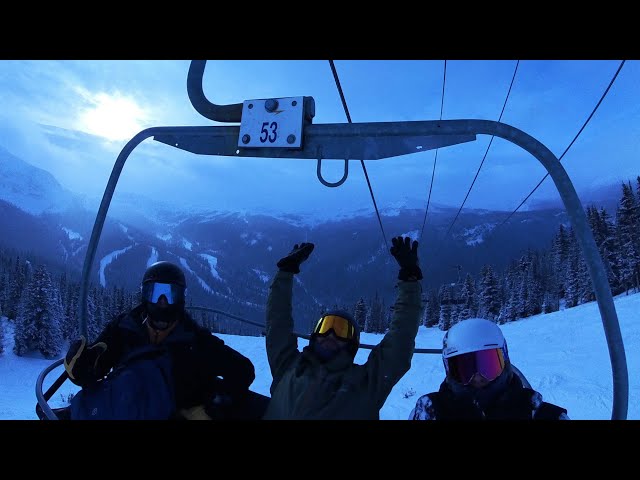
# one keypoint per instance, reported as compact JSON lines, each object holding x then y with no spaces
{"x":483,"y":396}
{"x":324,"y":354}
{"x":161,"y":318}
{"x":327,"y":353}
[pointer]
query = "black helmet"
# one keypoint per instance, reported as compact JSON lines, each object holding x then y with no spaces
{"x":354,"y":340}
{"x":163,"y":279}
{"x":164,"y":272}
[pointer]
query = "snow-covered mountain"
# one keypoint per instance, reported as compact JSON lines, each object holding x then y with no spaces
{"x":228,"y":257}
{"x":30,"y":188}
{"x":321,"y":214}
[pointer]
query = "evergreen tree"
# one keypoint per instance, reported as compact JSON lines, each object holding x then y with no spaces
{"x":628,"y":233}
{"x":375,"y":319}
{"x":39,"y":317}
{"x":523,"y":288}
{"x":508,"y":311}
{"x":70,"y":318}
{"x":16,"y":288}
{"x":533,"y":280}
{"x":606,"y":234}
{"x":63,"y":287}
{"x":2,"y":334}
{"x":92,"y":325}
{"x":112,"y":305}
{"x":52,"y":339}
{"x":469,"y":305}
{"x":432,"y":309}
{"x":360,"y":314}
{"x":4,"y":278}
{"x":550,"y":302}
{"x":572,"y":275}
{"x":559,"y":259}
{"x":456,"y":314}
{"x":599,"y":227}
{"x":585,"y":286}
{"x":100,"y":316}
{"x":446,"y":307}
{"x":489,"y":298}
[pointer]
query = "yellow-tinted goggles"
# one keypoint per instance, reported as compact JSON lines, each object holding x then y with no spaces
{"x":340,"y":326}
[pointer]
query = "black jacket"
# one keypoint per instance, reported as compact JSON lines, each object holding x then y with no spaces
{"x":514,"y":402}
{"x":198,"y":357}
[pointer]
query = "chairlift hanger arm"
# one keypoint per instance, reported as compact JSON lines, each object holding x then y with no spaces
{"x":218,"y":113}
{"x":231,"y":113}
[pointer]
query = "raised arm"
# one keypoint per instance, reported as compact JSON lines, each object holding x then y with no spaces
{"x":391,"y":358}
{"x":281,"y":343}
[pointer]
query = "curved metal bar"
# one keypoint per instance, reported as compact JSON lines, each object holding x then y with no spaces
{"x":42,"y":398}
{"x":585,"y":238}
{"x":437,"y":351}
{"x":553,"y":166}
{"x":370,"y":347}
{"x":231,"y":113}
{"x":300,"y":335}
{"x":332,"y":184}
{"x":230,"y":315}
{"x":218,"y":113}
{"x":102,"y":215}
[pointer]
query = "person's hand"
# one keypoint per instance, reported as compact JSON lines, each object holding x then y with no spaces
{"x":291,"y":263}
{"x":406,"y":254}
{"x":81,"y":362}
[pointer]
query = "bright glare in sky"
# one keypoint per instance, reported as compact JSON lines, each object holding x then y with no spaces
{"x":113,"y":117}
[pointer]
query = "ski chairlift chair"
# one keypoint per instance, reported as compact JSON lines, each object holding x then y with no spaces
{"x":291,"y":134}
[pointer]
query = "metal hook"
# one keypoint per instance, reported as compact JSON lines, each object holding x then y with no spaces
{"x":333,"y":184}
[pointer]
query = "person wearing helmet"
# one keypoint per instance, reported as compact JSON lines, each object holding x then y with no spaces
{"x":322,"y":382}
{"x":480,"y":382}
{"x":160,"y":329}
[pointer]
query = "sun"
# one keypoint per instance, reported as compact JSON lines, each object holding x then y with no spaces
{"x":114,"y":117}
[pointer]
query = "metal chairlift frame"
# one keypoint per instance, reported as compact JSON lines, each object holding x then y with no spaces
{"x":355,"y":141}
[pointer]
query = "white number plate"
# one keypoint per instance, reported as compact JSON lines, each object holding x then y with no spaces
{"x":274,"y":122}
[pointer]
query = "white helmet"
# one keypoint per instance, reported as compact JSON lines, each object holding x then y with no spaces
{"x":473,"y":335}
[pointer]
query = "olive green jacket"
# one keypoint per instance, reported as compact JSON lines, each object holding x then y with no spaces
{"x":303,"y":388}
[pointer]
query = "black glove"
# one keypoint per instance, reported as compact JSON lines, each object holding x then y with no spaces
{"x":406,"y":254}
{"x":291,"y":263}
{"x":82,"y":362}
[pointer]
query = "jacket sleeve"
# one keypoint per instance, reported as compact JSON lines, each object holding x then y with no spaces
{"x":236,"y":370}
{"x":281,"y":343}
{"x":110,"y":336}
{"x":391,"y":358}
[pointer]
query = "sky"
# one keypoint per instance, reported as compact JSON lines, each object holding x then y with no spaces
{"x":563,"y":355}
{"x":73,"y":117}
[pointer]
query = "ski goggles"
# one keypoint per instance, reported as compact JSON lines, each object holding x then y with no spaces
{"x":340,"y":326}
{"x":488,"y":363}
{"x":152,"y":291}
